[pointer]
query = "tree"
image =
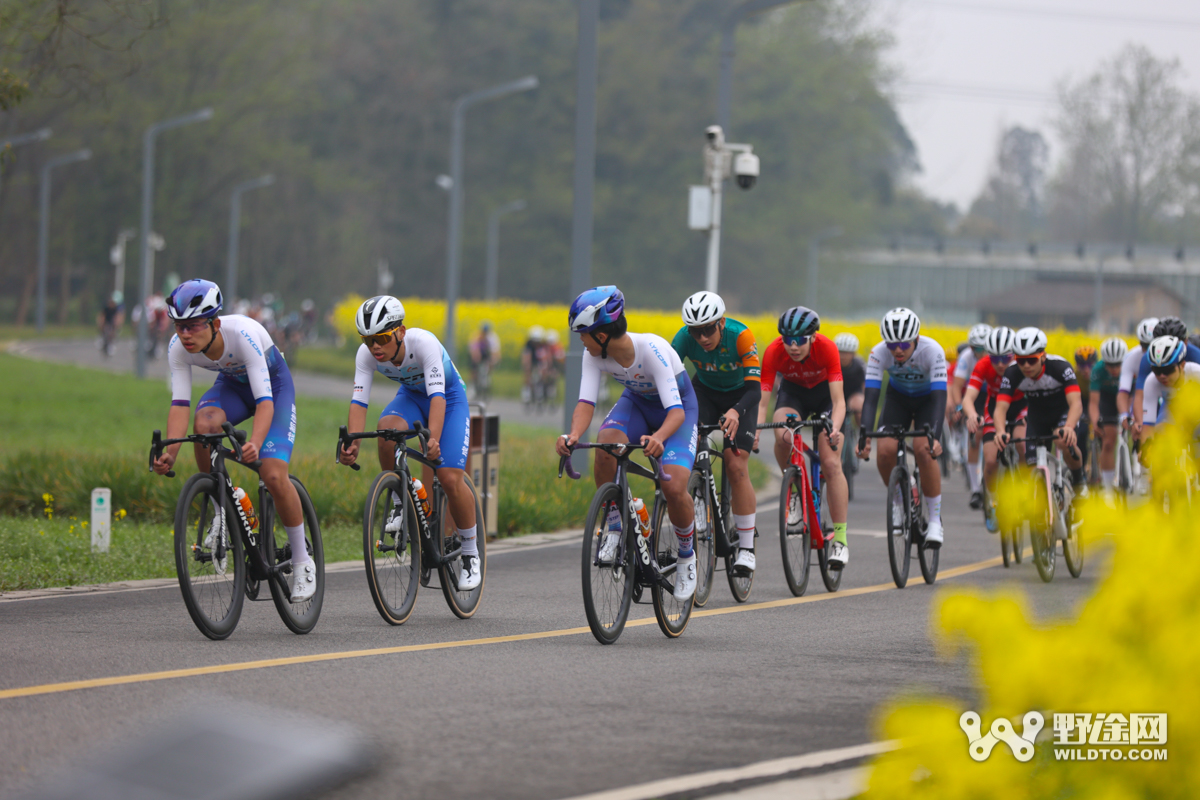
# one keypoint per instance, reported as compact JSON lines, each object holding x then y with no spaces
{"x":1011,"y":203}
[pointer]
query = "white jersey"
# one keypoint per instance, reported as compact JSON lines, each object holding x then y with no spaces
{"x":922,"y":373}
{"x":652,"y":374}
{"x":249,"y":357}
{"x":1129,"y":369}
{"x":966,"y":362}
{"x":1153,"y":391}
{"x":426,"y":368}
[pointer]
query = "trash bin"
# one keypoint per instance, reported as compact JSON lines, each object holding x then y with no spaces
{"x":483,"y":463}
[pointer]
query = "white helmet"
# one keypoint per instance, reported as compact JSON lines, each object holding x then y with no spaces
{"x":1166,"y":351}
{"x":537,"y":333}
{"x":1113,"y":351}
{"x":978,"y":337}
{"x":703,"y":308}
{"x":552,"y":336}
{"x":899,"y":325}
{"x":846,"y":343}
{"x":379,"y":314}
{"x":1001,"y":341}
{"x":1145,"y":330}
{"x":1029,"y":341}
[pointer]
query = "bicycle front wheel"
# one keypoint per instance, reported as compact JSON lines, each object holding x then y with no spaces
{"x":1073,"y":545}
{"x":706,"y":554}
{"x":392,"y":557}
{"x":830,"y":575}
{"x":463,"y":603}
{"x":209,"y":558}
{"x":1041,"y":532}
{"x":672,"y":615}
{"x":794,"y":536}
{"x":607,"y":587}
{"x":899,"y":526}
{"x":298,"y":617}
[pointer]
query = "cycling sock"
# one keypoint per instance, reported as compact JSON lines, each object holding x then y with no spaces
{"x":839,"y":533}
{"x":1077,"y":477}
{"x":470,"y":547}
{"x":296,"y":540}
{"x":1108,"y":477}
{"x":933,"y":508}
{"x":614,"y":518}
{"x":396,"y":501}
{"x":745,"y":529}
{"x":684,"y":535}
{"x":973,"y":476}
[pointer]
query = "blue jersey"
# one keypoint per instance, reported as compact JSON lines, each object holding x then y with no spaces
{"x":1192,"y":357}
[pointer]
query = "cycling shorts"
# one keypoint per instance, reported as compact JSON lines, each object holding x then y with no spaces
{"x":1109,"y":413}
{"x":907,"y":412}
{"x":988,"y":430}
{"x":412,"y":405}
{"x":236,"y":399}
{"x":712,"y":406}
{"x":806,"y":402}
{"x":636,"y":416}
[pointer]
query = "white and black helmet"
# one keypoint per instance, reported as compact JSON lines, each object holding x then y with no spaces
{"x":379,"y":314}
{"x":1001,"y":341}
{"x":900,"y":325}
{"x":978,"y":337}
{"x":1029,"y":341}
{"x":703,"y":308}
{"x":846,"y":343}
{"x":1113,"y":351}
{"x":1145,"y":330}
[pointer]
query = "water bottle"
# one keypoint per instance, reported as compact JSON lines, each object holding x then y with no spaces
{"x":239,"y":494}
{"x":639,"y":508}
{"x":423,"y":496}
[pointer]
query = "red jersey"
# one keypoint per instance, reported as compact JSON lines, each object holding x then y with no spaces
{"x":821,"y":364}
{"x":985,"y":375}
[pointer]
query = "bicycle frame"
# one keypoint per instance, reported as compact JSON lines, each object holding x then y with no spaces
{"x":1052,"y":469}
{"x":807,"y":462}
{"x":704,"y":455}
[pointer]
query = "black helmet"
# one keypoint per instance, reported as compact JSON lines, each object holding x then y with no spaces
{"x":799,"y":321}
{"x":1170,"y":326}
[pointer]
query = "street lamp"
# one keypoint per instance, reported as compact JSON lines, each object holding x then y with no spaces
{"x":149,"y":138}
{"x":704,"y":207}
{"x":235,"y":229}
{"x":117,"y":257}
{"x":728,"y":31}
{"x":454,"y":235}
{"x":44,"y":228}
{"x":40,"y":135}
{"x":492,"y":282}
{"x":814,"y":248}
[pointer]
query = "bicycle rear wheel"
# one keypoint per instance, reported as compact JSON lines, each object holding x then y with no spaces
{"x":832,"y":576}
{"x":464,"y":604}
{"x":672,"y":615}
{"x":209,"y":558}
{"x":899,"y":526}
{"x":794,"y":534}
{"x":298,"y":617}
{"x":706,"y":554}
{"x":607,"y":588}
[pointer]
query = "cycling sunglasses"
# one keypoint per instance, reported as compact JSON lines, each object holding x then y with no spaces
{"x":1000,"y":359}
{"x":379,"y":338}
{"x":1161,"y":371}
{"x":192,"y":326}
{"x":796,"y":341}
{"x":1027,"y":361}
{"x":703,"y":331}
{"x":899,"y":346}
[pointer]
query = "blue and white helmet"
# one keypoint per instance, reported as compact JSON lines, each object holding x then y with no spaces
{"x":1166,"y":351}
{"x":194,"y":299}
{"x":595,"y":307}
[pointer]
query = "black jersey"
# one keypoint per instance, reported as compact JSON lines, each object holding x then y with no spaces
{"x":1046,"y":393}
{"x":854,"y":377}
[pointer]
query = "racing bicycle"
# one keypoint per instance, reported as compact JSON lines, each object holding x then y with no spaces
{"x":906,"y":523}
{"x":1054,"y":514}
{"x":715,"y":536}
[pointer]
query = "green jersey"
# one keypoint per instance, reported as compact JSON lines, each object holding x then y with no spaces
{"x":730,"y":364}
{"x":1103,"y":382}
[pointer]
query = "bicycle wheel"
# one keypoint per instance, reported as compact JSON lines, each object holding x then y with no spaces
{"x":1124,"y":470}
{"x":607,"y":588}
{"x":1018,"y":543}
{"x":672,"y":615}
{"x":464,"y":604}
{"x":392,"y":558}
{"x":209,"y":558}
{"x":739,"y":584}
{"x":829,"y":574}
{"x":928,"y":556}
{"x":899,"y":526}
{"x":299,"y":617}
{"x":706,"y":554}
{"x":1073,"y":545}
{"x":794,"y":535}
{"x":1041,"y":533}
{"x":1006,"y":546}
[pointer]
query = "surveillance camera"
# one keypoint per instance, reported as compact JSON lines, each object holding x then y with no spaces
{"x":745,"y":167}
{"x":716,"y":137}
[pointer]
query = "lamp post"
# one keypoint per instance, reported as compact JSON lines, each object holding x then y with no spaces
{"x":454,"y":234}
{"x":814,"y":250}
{"x":44,"y":228}
{"x":235,"y":228}
{"x":149,"y":139}
{"x":722,"y":160}
{"x":117,"y":257}
{"x":728,"y":31}
{"x":492,"y":282}
{"x":40,"y":135}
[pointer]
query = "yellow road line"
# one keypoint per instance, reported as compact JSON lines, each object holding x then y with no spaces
{"x":242,"y":666}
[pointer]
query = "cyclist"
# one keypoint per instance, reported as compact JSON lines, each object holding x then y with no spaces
{"x":532,"y":355}
{"x":1130,"y":366}
{"x":657,"y":408}
{"x":1169,"y":368}
{"x":727,"y":385}
{"x":485,"y":356}
{"x":431,"y":392}
{"x":1105,"y":380}
{"x":985,"y":379}
{"x":916,"y":397}
{"x":1049,"y":385}
{"x":854,"y":374}
{"x":1167,"y":326}
{"x":977,"y":339}
{"x":109,"y":321}
{"x":1085,"y":360}
{"x":809,"y":369}
{"x":253,"y":381}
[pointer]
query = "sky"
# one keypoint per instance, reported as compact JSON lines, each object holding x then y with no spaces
{"x":971,"y":68}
